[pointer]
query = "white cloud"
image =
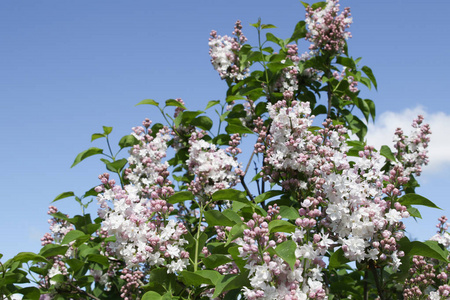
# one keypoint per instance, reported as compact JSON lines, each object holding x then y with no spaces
{"x":382,"y":132}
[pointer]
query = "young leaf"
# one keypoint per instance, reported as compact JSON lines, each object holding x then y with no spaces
{"x":148,"y":101}
{"x":173,"y":102}
{"x":267,"y":195}
{"x":212,"y":103}
{"x":267,"y":26}
{"x":128,"y":141}
{"x":97,"y":136}
{"x":107,"y":130}
{"x":386,"y":152}
{"x":85,"y":154}
{"x":180,"y":197}
{"x":64,"y":195}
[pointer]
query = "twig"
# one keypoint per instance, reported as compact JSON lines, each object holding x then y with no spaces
{"x":246,"y":188}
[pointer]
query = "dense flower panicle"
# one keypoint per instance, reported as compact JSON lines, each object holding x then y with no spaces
{"x":213,"y":168}
{"x":327,"y":28}
{"x":58,"y":228}
{"x":139,"y":214}
{"x":223,"y":52}
{"x":412,"y":150}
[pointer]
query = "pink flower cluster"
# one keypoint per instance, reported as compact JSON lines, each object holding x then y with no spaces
{"x":224,"y":54}
{"x":327,"y":28}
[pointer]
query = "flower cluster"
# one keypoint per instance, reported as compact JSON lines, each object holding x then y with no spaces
{"x":212,"y":167}
{"x":224,"y":54}
{"x":327,"y":28}
{"x":139,"y":214}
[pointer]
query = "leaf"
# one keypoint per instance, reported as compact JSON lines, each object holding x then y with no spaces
{"x":71,"y":236}
{"x":267,"y":195}
{"x":267,"y":26}
{"x":107,"y":130}
{"x":180,"y":197}
{"x":203,"y":122}
{"x":97,"y":136}
{"x":236,"y":232}
{"x":31,"y":293}
{"x":216,"y":218}
{"x":386,"y":152}
{"x":230,"y":282}
{"x":289,"y":212}
{"x":414,"y":212}
{"x":369,"y":73}
{"x":371,"y":105}
{"x":215,"y":260}
{"x":173,"y":102}
{"x":86,"y":154}
{"x":212,"y":103}
{"x":128,"y":141}
{"x":272,"y":38}
{"x":75,"y":264}
{"x":338,"y":259}
{"x":64,"y":195}
{"x":414,"y":199}
{"x":51,"y":250}
{"x":429,"y":249}
{"x":281,"y":226}
{"x":29,"y":256}
{"x":230,"y":194}
{"x":116,"y":166}
{"x":151,"y":295}
{"x":148,"y":101}
{"x":98,"y":258}
{"x":198,"y":278}
{"x":299,"y":31}
{"x":235,"y":126}
{"x":91,"y":192}
{"x":286,"y":250}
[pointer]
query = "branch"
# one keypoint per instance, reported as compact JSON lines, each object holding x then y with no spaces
{"x":83,"y":292}
{"x":246,"y":188}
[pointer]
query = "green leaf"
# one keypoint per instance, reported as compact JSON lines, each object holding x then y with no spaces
{"x":173,"y":102}
{"x":371,"y":105}
{"x":29,"y":256}
{"x":414,"y":212}
{"x":386,"y":152}
{"x":30,"y":293}
{"x":75,"y":264}
{"x":116,"y":166}
{"x":319,"y":4}
{"x":299,"y":31}
{"x":107,"y":130}
{"x":414,"y":199}
{"x":288,"y":212}
{"x":272,"y":38}
{"x":305,"y":4}
{"x":215,"y":260}
{"x":203,"y":122}
{"x":128,"y":141}
{"x":236,"y":232}
{"x":230,"y":194}
{"x":86,"y":154}
{"x":230,"y":282}
{"x":64,"y":195}
{"x":286,"y":250}
{"x":267,"y":195}
{"x":346,"y":62}
{"x":198,"y":278}
{"x":429,"y":249}
{"x":216,"y":218}
{"x":180,"y":197}
{"x":212,"y":103}
{"x":51,"y":250}
{"x":235,"y":126}
{"x":148,"y":101}
{"x":91,"y":192}
{"x":369,"y":73}
{"x":338,"y":259}
{"x":151,"y":295}
{"x":267,"y":26}
{"x":71,"y":236}
{"x":97,"y":136}
{"x":281,"y":226}
{"x":98,"y":258}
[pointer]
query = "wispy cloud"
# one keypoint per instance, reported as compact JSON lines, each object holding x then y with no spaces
{"x":382,"y":132}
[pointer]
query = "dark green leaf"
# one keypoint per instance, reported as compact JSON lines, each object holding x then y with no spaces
{"x":75,"y":264}
{"x":429,"y":249}
{"x":117,"y":166}
{"x":98,"y":258}
{"x":230,"y":282}
{"x":51,"y":250}
{"x":281,"y":226}
{"x":299,"y":31}
{"x":64,"y":195}
{"x":128,"y":141}
{"x":91,"y":192}
{"x":267,"y":195}
{"x":203,"y":122}
{"x":369,"y":73}
{"x":198,"y":278}
{"x":215,"y":260}
{"x":288,"y":212}
{"x":216,"y":218}
{"x":414,"y":199}
{"x":148,"y":101}
{"x":386,"y":152}
{"x":86,"y":154}
{"x":235,"y":126}
{"x":346,"y":62}
{"x":230,"y":194}
{"x":372,"y":108}
{"x":338,"y":259}
{"x":414,"y":212}
{"x":30,"y":293}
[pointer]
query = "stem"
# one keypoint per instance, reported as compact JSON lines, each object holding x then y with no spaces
{"x":246,"y":188}
{"x":329,"y":91}
{"x":109,"y":147}
{"x":366,"y":290}
{"x":83,"y":292}
{"x":378,"y":281}
{"x":198,"y":237}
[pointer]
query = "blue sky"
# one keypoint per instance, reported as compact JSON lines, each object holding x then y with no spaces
{"x":69,"y":67}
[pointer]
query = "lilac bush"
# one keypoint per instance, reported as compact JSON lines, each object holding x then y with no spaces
{"x":322,"y":217}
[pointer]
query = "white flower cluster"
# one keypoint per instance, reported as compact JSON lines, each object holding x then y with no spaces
{"x":138,"y":217}
{"x":213,"y":168}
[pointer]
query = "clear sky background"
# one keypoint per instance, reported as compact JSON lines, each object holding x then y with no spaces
{"x":69,"y":67}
